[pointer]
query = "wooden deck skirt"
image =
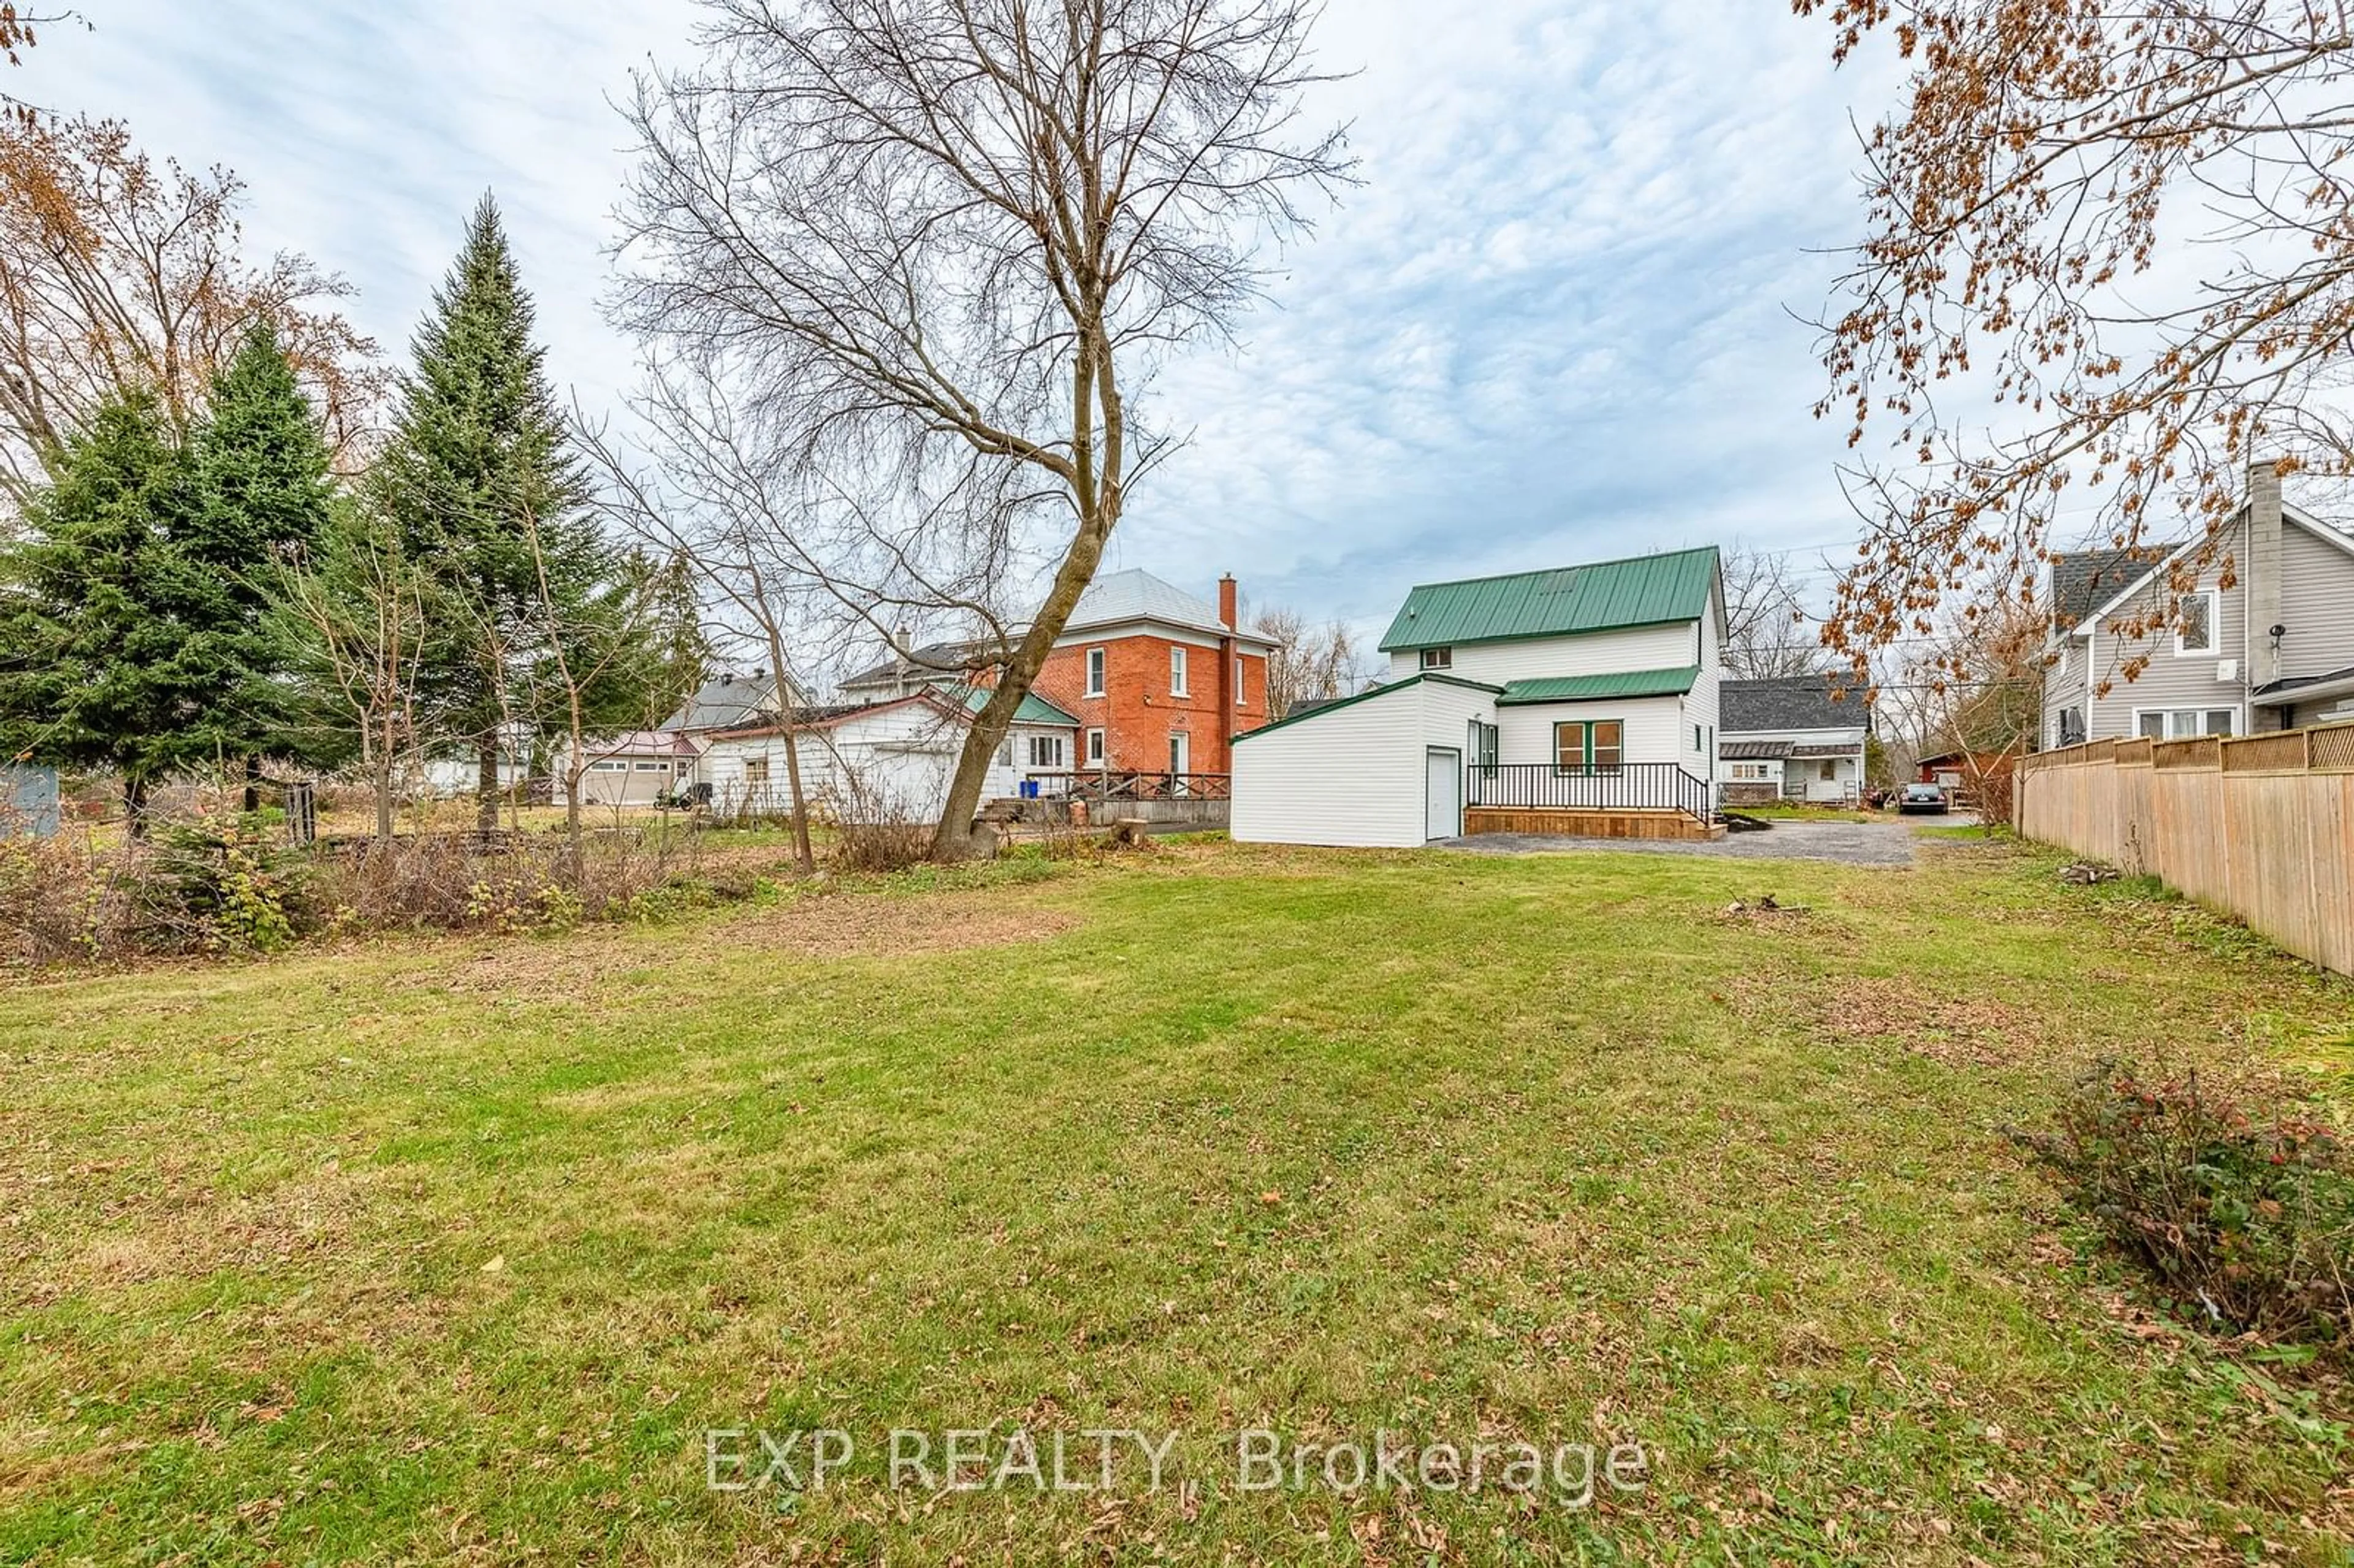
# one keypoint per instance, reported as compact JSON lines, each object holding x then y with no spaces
{"x":1629,"y":823}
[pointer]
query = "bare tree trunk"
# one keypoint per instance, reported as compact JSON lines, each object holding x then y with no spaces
{"x":954,"y":838}
{"x":575,"y":765}
{"x":134,"y":805}
{"x":486,"y":784}
{"x":801,"y":851}
{"x":252,"y":800}
{"x":381,"y":781}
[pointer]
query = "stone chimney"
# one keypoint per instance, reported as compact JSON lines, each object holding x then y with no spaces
{"x":2264,"y":573}
{"x":1226,"y":593}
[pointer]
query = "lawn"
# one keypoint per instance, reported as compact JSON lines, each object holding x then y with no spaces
{"x":460,"y":1249}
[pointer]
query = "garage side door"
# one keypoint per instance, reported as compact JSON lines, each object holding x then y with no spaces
{"x":1444,"y":798}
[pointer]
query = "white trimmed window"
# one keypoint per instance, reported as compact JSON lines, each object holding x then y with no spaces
{"x":2196,"y":615}
{"x":1241,"y":684}
{"x":1095,"y":748}
{"x":2181,"y":724}
{"x":1751,"y":772}
{"x":756,"y":770}
{"x":1177,"y":673}
{"x":1094,"y":672}
{"x":1045,"y":751}
{"x":1439,"y":658}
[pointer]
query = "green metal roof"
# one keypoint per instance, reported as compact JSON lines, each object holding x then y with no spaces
{"x":1034,"y":709}
{"x":1597,"y":688}
{"x":1643,"y":591}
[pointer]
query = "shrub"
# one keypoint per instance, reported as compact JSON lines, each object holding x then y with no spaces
{"x":54,"y":898}
{"x":2248,"y":1225}
{"x":234,"y":886}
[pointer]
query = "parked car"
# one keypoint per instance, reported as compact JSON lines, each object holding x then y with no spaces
{"x":1922,"y":800}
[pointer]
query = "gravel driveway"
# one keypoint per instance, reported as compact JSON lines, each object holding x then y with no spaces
{"x":1848,"y":843}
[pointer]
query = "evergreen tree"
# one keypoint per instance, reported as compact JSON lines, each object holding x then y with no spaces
{"x":677,"y":650}
{"x":490,"y":499}
{"x":90,"y":668}
{"x":263,"y":491}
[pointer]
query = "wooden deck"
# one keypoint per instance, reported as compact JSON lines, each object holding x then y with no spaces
{"x":1627,"y":823}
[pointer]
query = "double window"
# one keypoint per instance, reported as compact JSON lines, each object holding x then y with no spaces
{"x":1047,"y":750}
{"x":1439,"y":658}
{"x":1751,"y":772}
{"x":756,"y":771}
{"x":1594,"y":746}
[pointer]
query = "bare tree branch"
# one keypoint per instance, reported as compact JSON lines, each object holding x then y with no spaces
{"x":905,"y":269}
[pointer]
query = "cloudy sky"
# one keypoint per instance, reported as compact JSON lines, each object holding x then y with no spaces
{"x":1561,"y":321}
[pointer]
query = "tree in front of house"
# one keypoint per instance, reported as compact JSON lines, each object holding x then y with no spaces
{"x":90,"y":669}
{"x":2107,"y":262}
{"x":489,"y":500}
{"x":910,"y":268}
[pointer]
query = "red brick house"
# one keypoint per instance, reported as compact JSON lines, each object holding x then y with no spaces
{"x":1160,"y":681}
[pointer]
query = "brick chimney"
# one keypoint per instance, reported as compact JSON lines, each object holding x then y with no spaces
{"x":1227,"y":601}
{"x":2264,"y":573}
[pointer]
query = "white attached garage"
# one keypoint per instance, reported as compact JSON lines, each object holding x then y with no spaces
{"x":1382,"y":770}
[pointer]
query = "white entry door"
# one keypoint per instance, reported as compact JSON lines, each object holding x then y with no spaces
{"x":1445,"y":795}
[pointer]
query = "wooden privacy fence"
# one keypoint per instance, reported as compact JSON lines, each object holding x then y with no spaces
{"x":2262,"y":825}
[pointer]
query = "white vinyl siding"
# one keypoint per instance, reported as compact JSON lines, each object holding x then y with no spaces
{"x":1356,"y":776}
{"x":1654,"y":728}
{"x":895,"y":761}
{"x":1700,"y":704}
{"x":1666,"y":647}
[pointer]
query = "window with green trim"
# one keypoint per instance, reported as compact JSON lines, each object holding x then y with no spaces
{"x":1589,"y":746}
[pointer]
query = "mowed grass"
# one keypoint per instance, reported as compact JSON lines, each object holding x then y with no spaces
{"x":453,"y":1250}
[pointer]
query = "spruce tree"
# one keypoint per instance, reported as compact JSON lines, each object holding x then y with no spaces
{"x":263,"y":494}
{"x":491,"y":502}
{"x":91,"y":643}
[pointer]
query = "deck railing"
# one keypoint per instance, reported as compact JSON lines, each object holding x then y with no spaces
{"x":1600,"y":787}
{"x":1130,"y":784}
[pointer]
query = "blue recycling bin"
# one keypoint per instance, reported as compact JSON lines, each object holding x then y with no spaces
{"x":1029,"y":789}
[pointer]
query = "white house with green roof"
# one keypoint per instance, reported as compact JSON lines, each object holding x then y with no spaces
{"x":1581,"y":700}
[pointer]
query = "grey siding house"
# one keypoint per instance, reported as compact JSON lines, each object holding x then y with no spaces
{"x":1795,"y":738}
{"x":2267,"y":639}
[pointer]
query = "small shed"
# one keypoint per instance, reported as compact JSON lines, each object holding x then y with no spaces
{"x":28,"y":802}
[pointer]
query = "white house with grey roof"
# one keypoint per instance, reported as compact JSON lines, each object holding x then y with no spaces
{"x":1795,"y":737}
{"x":2262,"y":636}
{"x":1580,"y":700}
